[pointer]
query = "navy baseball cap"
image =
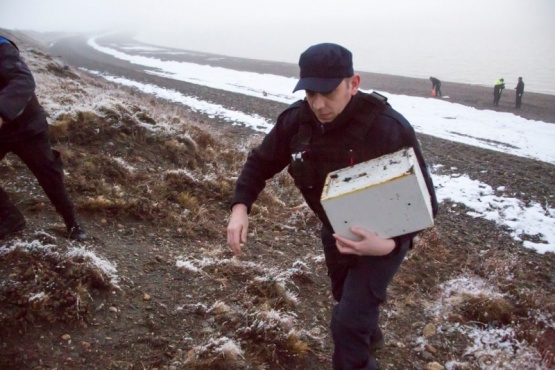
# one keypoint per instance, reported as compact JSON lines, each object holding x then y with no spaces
{"x":323,"y":67}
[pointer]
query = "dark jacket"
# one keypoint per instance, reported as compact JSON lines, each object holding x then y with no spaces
{"x":435,"y":82}
{"x":353,"y":137}
{"x":520,"y":88}
{"x":20,"y":110}
{"x":498,"y":87}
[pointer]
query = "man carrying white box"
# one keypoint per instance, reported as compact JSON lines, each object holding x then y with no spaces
{"x":334,"y":127}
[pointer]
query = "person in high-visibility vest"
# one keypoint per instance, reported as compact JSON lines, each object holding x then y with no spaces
{"x":498,"y":90}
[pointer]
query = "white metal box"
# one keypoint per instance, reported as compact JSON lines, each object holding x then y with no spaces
{"x":386,"y":195}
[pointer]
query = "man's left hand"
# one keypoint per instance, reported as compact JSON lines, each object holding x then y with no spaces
{"x":369,"y":245}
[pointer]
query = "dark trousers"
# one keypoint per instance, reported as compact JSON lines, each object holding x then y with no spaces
{"x":518,"y":100}
{"x":496,"y":98}
{"x":438,"y":90}
{"x":359,"y":285}
{"x":46,"y":164}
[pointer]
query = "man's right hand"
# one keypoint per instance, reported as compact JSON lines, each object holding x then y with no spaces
{"x":237,"y":228}
{"x":1,"y":122}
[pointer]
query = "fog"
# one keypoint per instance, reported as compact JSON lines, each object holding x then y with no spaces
{"x":472,"y":41}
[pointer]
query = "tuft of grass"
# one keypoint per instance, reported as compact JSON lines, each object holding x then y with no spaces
{"x":495,"y":311}
{"x":90,"y":118}
{"x":188,"y":201}
{"x":181,"y":153}
{"x":295,"y":344}
{"x":47,"y":283}
{"x":101,"y":203}
{"x":220,"y":353}
{"x":145,"y":118}
{"x":58,"y":130}
{"x":202,"y":138}
{"x":219,"y":308}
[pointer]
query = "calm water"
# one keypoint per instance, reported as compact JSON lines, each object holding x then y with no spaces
{"x":473,"y":62}
{"x":471,"y":41}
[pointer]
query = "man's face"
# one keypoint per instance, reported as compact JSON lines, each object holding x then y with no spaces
{"x":327,"y":106}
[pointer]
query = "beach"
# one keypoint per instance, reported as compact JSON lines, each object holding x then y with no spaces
{"x":535,"y":106}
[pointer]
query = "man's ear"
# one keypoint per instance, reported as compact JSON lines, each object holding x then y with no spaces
{"x":355,"y":84}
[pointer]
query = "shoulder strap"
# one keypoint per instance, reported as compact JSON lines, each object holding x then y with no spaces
{"x":369,"y":112}
{"x":379,"y":103}
{"x":378,"y":98}
{"x":302,"y":138}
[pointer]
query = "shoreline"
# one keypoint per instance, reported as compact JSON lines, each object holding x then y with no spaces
{"x":535,"y":106}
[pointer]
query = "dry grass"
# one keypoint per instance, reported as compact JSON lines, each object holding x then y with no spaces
{"x":48,"y":284}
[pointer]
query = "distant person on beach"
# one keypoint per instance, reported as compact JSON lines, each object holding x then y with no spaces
{"x":519,"y":92}
{"x":334,"y":127}
{"x":24,"y":132}
{"x":436,"y":87}
{"x":498,"y":90}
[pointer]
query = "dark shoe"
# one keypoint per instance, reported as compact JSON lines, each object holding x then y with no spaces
{"x":11,"y":222}
{"x":76,"y":232}
{"x":377,"y":341}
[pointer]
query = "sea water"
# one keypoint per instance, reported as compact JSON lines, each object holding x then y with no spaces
{"x":472,"y":41}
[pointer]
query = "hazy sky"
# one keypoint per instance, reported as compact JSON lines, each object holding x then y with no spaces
{"x":450,"y":32}
{"x":233,"y":26}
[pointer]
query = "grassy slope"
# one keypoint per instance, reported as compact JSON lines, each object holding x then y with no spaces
{"x":157,"y":287}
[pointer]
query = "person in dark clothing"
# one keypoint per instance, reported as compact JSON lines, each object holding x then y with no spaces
{"x":519,"y":92}
{"x":436,"y":86}
{"x":498,"y":90}
{"x":24,"y":132}
{"x":335,"y":126}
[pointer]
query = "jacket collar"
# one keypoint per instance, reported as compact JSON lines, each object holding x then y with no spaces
{"x":341,"y":120}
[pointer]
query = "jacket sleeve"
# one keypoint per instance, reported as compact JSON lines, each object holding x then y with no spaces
{"x":264,"y":161}
{"x":18,"y":85}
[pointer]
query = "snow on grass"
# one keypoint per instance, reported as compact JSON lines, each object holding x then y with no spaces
{"x":101,"y":263}
{"x":198,"y":264}
{"x":28,"y":246}
{"x":187,"y":265}
{"x":37,"y":296}
{"x":219,"y":307}
{"x":500,"y":348}
{"x":195,"y":177}
{"x":223,"y":348}
{"x":492,"y":347}
{"x":453,"y":290}
{"x":124,"y":164}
